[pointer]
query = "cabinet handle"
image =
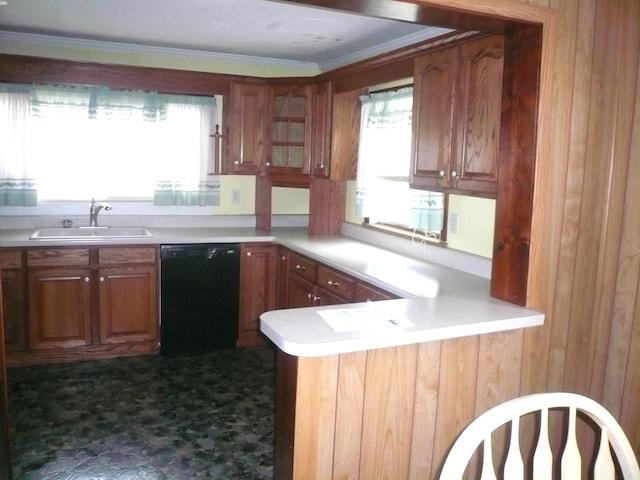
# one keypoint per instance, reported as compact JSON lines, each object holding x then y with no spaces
{"x":300,"y":267}
{"x":268,"y":164}
{"x":454,"y":174}
{"x":236,"y":162}
{"x":102,"y":279}
{"x":331,"y":283}
{"x":248,"y":254}
{"x":442,"y":173}
{"x":87,"y":279}
{"x":283,"y":258}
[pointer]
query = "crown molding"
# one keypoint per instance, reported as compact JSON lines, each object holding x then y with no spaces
{"x":48,"y":41}
{"x":167,"y":52}
{"x":417,"y":37}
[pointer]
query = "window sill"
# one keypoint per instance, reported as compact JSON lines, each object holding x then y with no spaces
{"x":413,"y":235}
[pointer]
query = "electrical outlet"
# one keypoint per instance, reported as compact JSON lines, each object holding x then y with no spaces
{"x":453,"y":224}
{"x":235,"y":197}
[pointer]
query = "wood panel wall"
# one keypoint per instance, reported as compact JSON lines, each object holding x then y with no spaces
{"x":585,"y":265}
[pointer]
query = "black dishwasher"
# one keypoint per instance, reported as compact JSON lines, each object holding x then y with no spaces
{"x":199,"y":297}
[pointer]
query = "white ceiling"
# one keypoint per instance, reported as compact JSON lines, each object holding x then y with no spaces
{"x":273,"y":31}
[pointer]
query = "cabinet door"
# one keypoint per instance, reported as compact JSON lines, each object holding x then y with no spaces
{"x":5,"y":437}
{"x":246,"y":128}
{"x":59,"y":308}
{"x":433,"y":118}
{"x":302,"y":292}
{"x":13,"y":307}
{"x":283,"y":278}
{"x":258,"y":270}
{"x":321,"y":131}
{"x":327,"y":297}
{"x":478,"y":115}
{"x":290,"y":130}
{"x":128,"y":304}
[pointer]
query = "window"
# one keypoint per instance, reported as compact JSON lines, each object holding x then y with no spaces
{"x":75,"y":143}
{"x":383,"y":195}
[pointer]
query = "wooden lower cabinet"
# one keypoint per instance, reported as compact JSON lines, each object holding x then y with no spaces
{"x":303,"y":282}
{"x":128,"y":304}
{"x":59,"y":308}
{"x":14,"y":310}
{"x":14,"y":299}
{"x":83,"y":303}
{"x":368,"y":293}
{"x":258,"y":290}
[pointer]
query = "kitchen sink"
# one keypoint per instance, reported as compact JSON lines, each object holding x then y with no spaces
{"x":89,"y":233}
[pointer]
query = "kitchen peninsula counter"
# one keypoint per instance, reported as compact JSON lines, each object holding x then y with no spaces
{"x":378,"y":400}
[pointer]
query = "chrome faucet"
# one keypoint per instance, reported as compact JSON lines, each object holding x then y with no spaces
{"x":94,"y":210}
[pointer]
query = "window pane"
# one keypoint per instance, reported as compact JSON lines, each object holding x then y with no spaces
{"x":297,"y":106}
{"x":296,"y":157}
{"x":280,"y":106}
{"x":280,"y":132}
{"x":77,"y":157}
{"x":297,"y":132}
{"x":279,"y":156}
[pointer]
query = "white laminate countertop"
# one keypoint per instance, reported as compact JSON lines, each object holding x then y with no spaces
{"x":160,"y":236}
{"x":438,"y":301}
{"x":303,"y":332}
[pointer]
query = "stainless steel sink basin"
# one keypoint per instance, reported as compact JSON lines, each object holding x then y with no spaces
{"x":89,"y":233}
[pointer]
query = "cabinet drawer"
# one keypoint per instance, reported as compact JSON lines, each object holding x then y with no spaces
{"x":53,"y":257}
{"x":303,"y":266}
{"x":117,"y":255}
{"x":10,"y":259}
{"x":336,"y":282}
{"x":367,"y":293}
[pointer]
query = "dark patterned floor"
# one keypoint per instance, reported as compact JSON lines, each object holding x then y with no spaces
{"x":156,"y":418}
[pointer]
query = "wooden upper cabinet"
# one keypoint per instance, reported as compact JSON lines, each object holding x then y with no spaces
{"x":289,"y":129}
{"x":479,"y":114}
{"x":457,"y":110}
{"x":246,"y":129}
{"x":321,"y":131}
{"x":432,"y":118}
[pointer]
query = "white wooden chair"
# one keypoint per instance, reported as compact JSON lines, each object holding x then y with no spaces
{"x":479,"y":432}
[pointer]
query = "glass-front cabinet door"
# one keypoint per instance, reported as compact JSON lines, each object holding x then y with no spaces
{"x":290,"y":130}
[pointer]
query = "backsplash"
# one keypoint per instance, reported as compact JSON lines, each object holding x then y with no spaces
{"x":447,"y":257}
{"x":150,"y":221}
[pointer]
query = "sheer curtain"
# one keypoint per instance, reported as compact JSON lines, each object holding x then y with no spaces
{"x":17,"y":182}
{"x":194,"y":122}
{"x":85,"y":141}
{"x":385,"y":152}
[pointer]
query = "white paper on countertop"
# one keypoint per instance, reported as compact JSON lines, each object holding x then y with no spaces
{"x":358,"y":319}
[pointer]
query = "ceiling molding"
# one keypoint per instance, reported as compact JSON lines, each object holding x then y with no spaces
{"x":412,"y":39}
{"x":48,"y":41}
{"x":168,"y":52}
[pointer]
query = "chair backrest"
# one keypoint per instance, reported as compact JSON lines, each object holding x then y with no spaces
{"x":480,"y":430}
